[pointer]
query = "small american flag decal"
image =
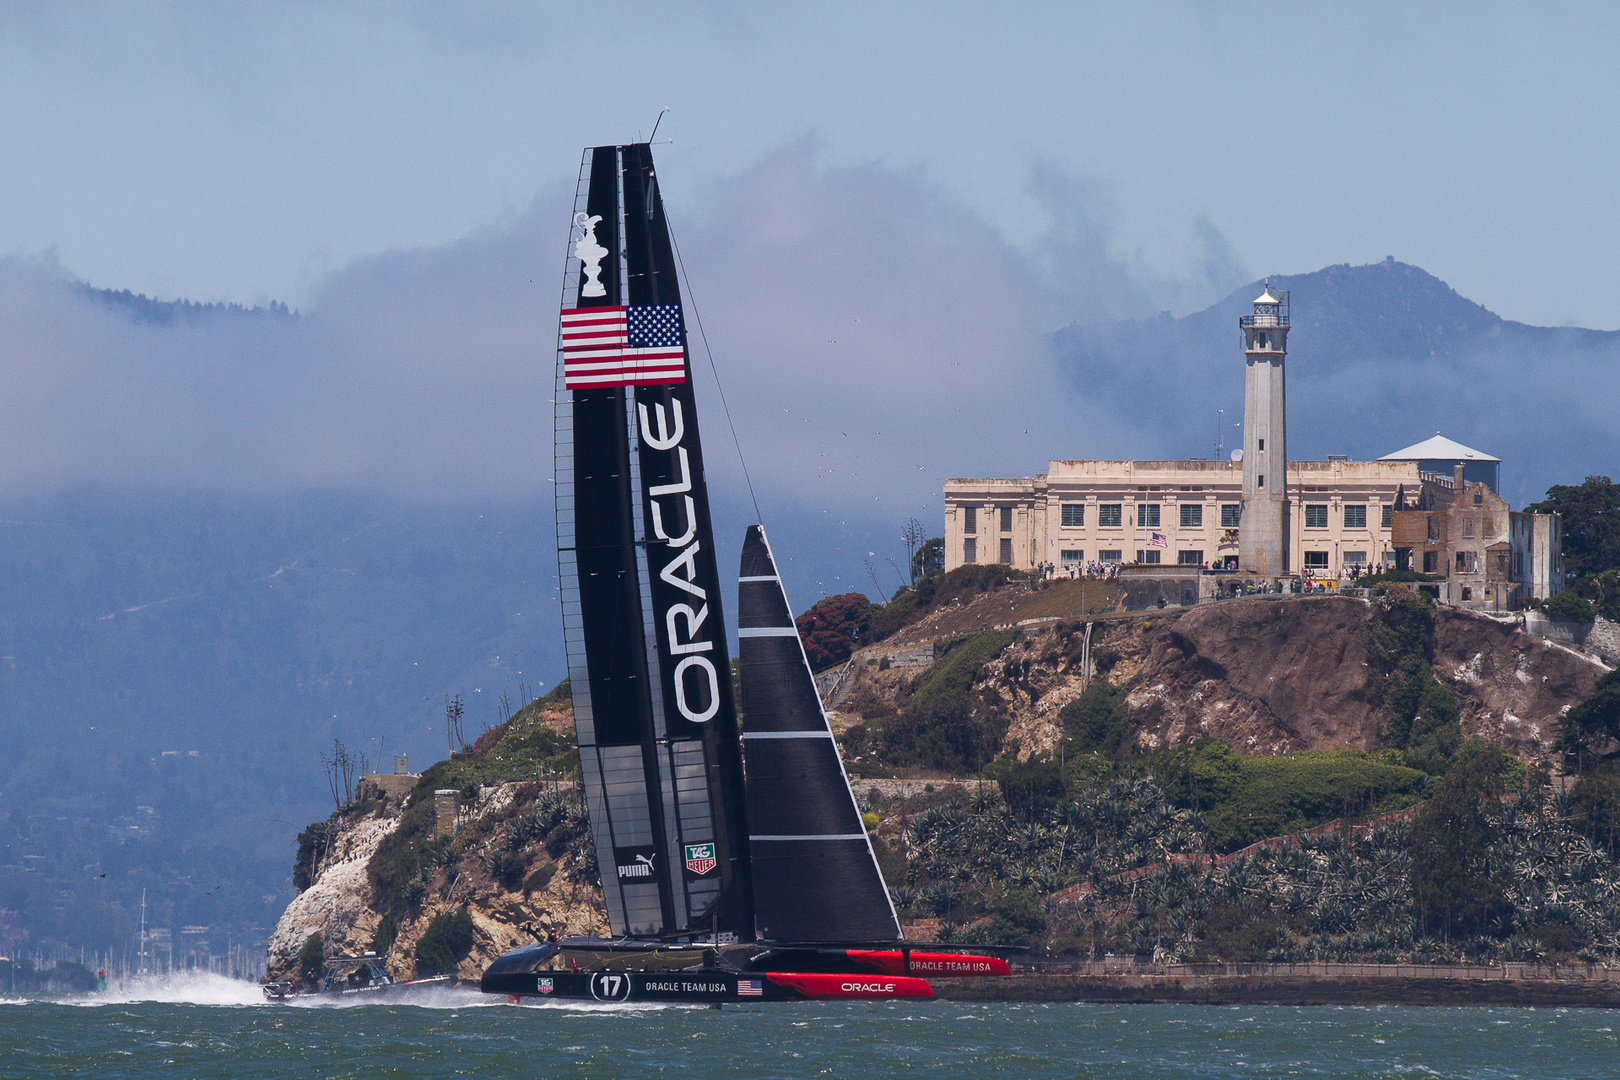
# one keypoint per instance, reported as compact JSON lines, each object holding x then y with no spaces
{"x":750,"y":987}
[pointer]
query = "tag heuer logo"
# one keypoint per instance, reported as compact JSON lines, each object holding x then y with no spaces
{"x":700,"y":858}
{"x":545,"y":986}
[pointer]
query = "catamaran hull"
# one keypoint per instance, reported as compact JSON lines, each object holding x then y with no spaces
{"x":701,"y":987}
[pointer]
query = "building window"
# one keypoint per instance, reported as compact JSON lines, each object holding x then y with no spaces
{"x":1006,"y":519}
{"x":970,"y":550}
{"x":1316,"y":516}
{"x":1262,"y":445}
{"x":1074,"y":515}
{"x":1150,"y":557}
{"x":1467,"y":562}
{"x":1109,"y":515}
{"x":1192,"y":517}
{"x":1434,"y":530}
{"x":1468,"y":594}
{"x":1355,"y":517}
{"x":970,"y":521}
{"x":1190,"y":558}
{"x":1260,"y":481}
{"x":1006,"y":550}
{"x":1478,"y":498}
{"x":1354,"y":558}
{"x":1316,"y":560}
{"x":1108,"y":556}
{"x":1468,"y":527}
{"x":1071,"y":557}
{"x":1387,"y":520}
{"x":1231,"y":514}
{"x":1430,"y":561}
{"x":1147,"y":515}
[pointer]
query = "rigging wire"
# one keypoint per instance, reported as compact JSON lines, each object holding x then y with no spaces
{"x":691,"y":301}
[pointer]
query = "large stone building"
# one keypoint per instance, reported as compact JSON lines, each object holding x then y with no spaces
{"x":1259,"y":513}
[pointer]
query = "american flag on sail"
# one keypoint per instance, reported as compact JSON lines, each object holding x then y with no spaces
{"x":1158,"y":541}
{"x":622,"y":346}
{"x":750,"y":987}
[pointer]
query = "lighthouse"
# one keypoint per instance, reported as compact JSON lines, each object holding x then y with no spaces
{"x":1263,"y":534}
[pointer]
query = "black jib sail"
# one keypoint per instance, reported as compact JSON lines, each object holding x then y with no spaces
{"x":647,"y":661}
{"x":816,"y":878}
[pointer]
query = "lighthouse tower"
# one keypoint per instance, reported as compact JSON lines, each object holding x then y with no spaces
{"x":1263,"y":535}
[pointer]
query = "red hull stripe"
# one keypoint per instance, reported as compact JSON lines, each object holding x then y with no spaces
{"x":930,"y":963}
{"x":820,"y":986}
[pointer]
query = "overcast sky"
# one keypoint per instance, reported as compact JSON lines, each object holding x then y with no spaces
{"x":246,"y":152}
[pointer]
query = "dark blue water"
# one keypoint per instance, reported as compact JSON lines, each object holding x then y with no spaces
{"x":128,"y":1035}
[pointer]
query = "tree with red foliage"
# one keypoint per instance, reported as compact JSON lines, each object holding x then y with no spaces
{"x":834,"y":627}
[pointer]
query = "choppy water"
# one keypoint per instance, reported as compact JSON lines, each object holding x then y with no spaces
{"x":212,"y":1027}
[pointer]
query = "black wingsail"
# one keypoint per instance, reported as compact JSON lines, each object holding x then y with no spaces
{"x":647,"y":661}
{"x":816,"y":878}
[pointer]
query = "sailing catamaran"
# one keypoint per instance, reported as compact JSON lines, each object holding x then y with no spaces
{"x":727,"y":876}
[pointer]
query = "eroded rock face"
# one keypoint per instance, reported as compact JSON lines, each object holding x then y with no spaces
{"x":335,"y":905}
{"x":1267,"y":676}
{"x":339,"y":904}
{"x":1512,"y":687}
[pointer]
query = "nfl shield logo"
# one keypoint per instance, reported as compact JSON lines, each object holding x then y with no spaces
{"x":544,"y":986}
{"x":700,"y":858}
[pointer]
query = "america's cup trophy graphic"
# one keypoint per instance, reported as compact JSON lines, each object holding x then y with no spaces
{"x":591,"y":253}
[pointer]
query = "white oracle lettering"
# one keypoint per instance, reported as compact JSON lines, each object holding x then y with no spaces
{"x":683,"y":484}
{"x":686,"y":560}
{"x":694,"y":621}
{"x":691,"y":524}
{"x":869,"y":988}
{"x":680,"y":689}
{"x":663,"y":440}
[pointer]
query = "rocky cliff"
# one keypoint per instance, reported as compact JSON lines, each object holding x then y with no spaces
{"x":515,"y":855}
{"x":1268,"y":676}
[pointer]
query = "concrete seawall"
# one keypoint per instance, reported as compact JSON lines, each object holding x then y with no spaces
{"x":1525,"y":985}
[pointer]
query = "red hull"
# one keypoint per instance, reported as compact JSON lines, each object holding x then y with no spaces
{"x":819,"y":986}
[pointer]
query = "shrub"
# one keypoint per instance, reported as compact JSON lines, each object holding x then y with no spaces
{"x":312,"y":844}
{"x":1571,"y":605}
{"x":1017,"y":919}
{"x":1457,"y":893}
{"x":445,"y":943}
{"x":957,"y":662}
{"x":949,"y":733}
{"x":1094,"y":722}
{"x":1593,"y":726}
{"x":833,"y":627}
{"x":1029,"y":786}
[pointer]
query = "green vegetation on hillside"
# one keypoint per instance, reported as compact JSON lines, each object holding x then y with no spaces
{"x":944,"y":726}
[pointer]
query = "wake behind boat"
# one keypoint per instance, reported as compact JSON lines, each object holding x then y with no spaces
{"x":727,"y":875}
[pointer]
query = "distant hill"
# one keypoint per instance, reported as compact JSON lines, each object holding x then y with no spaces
{"x":1380,"y":356}
{"x":172,"y":666}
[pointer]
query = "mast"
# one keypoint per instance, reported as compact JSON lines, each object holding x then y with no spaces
{"x":659,"y":749}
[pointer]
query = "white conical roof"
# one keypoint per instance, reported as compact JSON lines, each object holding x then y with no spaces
{"x":1266,"y":297}
{"x":1439,"y":448}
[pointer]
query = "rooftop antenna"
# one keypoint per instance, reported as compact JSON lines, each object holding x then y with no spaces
{"x":656,"y":122}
